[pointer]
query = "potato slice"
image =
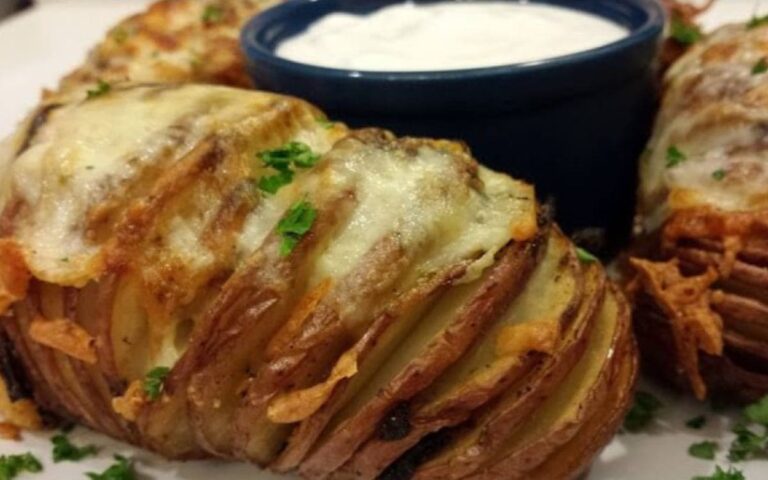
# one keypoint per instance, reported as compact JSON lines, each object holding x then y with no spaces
{"x":485,"y":372}
{"x":499,"y":442}
{"x":204,"y":385}
{"x":438,"y":341}
{"x":410,"y":193}
{"x":573,"y":459}
{"x":579,"y":397}
{"x":370,"y":352}
{"x":47,"y":362}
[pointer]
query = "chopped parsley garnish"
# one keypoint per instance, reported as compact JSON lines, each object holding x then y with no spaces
{"x":642,"y":412}
{"x":12,"y":465}
{"x":64,"y":450}
{"x":758,"y":412}
{"x":298,"y":154}
{"x":295,"y":224}
{"x":102,"y":88}
{"x":757,"y":22}
{"x":685,"y":33}
{"x":704,"y":450}
{"x":122,"y":470}
{"x":585,"y":257}
{"x":696,"y":423}
{"x":212,"y":14}
{"x":720,"y":474}
{"x":273,"y":183}
{"x":749,"y":443}
{"x":154,"y":382}
{"x":760,"y":67}
{"x":283,"y":160}
{"x":674,"y":156}
{"x":718,"y":174}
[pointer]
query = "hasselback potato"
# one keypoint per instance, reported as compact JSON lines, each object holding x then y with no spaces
{"x":207,"y":271}
{"x":172,"y":41}
{"x":701,"y":255}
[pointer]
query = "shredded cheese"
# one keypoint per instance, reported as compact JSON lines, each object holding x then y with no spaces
{"x":686,"y":301}
{"x":66,"y":336}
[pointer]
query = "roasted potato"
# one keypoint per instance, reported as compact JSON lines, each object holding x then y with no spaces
{"x":699,"y":266}
{"x":169,"y":284}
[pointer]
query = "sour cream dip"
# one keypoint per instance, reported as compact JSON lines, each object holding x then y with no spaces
{"x":448,"y":36}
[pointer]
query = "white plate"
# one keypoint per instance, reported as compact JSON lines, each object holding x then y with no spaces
{"x":39,"y":46}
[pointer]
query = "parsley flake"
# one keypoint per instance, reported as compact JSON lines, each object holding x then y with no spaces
{"x":585,"y":257}
{"x":284,"y":159}
{"x":64,"y":450}
{"x":298,"y":154}
{"x":704,"y":450}
{"x":212,"y":14}
{"x":760,"y":67}
{"x":122,"y":470}
{"x":696,"y":423}
{"x":719,"y":174}
{"x":295,"y":224}
{"x":674,"y":156}
{"x":755,"y":22}
{"x":102,"y":88}
{"x":685,"y":33}
{"x":758,"y":412}
{"x":747,"y":444}
{"x":273,"y":183}
{"x":12,"y":465}
{"x":154,"y":382}
{"x":720,"y":474}
{"x":642,"y":412}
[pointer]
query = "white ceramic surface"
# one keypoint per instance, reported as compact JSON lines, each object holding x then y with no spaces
{"x":41,"y":44}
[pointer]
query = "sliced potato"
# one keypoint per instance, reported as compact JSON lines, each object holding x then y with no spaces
{"x":579,"y":397}
{"x":501,"y":442}
{"x":488,"y":369}
{"x":439,"y":340}
{"x":573,"y":459}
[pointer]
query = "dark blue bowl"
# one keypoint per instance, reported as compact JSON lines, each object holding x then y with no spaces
{"x":574,"y":125}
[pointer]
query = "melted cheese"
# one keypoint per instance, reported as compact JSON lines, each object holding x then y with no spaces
{"x":426,"y":196}
{"x":144,"y":175}
{"x":98,"y":150}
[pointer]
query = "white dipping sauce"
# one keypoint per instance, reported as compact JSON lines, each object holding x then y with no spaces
{"x":448,"y":36}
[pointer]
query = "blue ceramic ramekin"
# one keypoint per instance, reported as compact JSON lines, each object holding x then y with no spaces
{"x":574,"y":125}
